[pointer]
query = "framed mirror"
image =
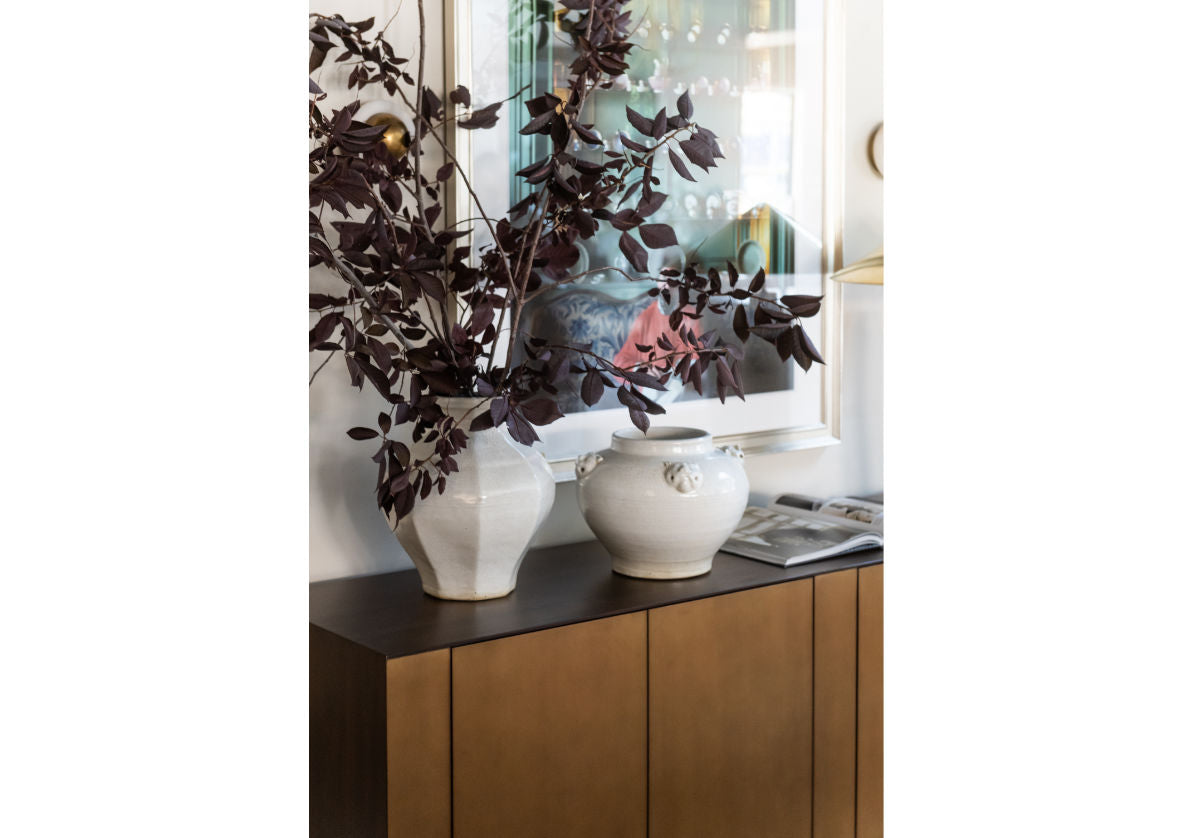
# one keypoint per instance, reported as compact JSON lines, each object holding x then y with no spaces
{"x":765,"y":76}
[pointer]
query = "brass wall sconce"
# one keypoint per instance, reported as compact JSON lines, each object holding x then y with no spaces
{"x":382,"y":112}
{"x":875,"y":149}
{"x":866,"y":271}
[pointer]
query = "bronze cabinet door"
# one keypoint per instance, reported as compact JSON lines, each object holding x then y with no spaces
{"x":835,"y":712}
{"x":379,"y":740}
{"x":870,"y":702}
{"x":550,"y":733}
{"x":731,"y":689}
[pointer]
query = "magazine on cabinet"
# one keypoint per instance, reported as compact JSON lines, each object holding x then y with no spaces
{"x":793,"y":529}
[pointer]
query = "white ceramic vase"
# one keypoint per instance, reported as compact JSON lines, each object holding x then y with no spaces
{"x":662,"y":503}
{"x":468,"y":542}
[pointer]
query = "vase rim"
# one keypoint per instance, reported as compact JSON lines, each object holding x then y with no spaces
{"x":463,"y":401}
{"x":464,"y":408}
{"x":662,"y":441}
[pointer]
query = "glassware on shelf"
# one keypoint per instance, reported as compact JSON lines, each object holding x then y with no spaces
{"x":658,"y":81}
{"x":731,"y":203}
{"x":724,"y":34}
{"x":713,"y":205}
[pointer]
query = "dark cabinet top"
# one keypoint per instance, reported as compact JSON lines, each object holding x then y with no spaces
{"x":390,"y":614}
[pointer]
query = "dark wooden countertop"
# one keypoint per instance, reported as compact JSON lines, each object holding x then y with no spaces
{"x":390,"y":614}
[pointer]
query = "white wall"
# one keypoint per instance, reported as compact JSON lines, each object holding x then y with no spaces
{"x":348,"y":535}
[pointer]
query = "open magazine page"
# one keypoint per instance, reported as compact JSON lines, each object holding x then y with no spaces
{"x":848,"y":509}
{"x":786,"y":534}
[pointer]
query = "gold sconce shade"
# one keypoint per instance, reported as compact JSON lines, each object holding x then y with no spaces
{"x":383,"y":112}
{"x":396,"y":138}
{"x":866,"y":271}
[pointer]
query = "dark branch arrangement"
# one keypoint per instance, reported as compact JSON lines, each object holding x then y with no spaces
{"x":420,"y":319}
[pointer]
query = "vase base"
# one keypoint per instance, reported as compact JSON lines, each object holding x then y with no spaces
{"x":642,"y":569}
{"x":466,"y":596}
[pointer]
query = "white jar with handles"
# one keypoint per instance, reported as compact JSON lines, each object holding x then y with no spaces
{"x":662,"y":503}
{"x":468,"y":543}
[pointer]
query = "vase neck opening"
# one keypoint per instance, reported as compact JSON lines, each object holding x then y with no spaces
{"x":662,"y":442}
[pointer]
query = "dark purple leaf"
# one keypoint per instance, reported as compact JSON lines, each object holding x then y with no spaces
{"x":362,"y":433}
{"x":680,"y":166}
{"x":586,"y":134}
{"x":699,"y":153}
{"x":642,"y":124}
{"x":760,"y":279}
{"x":643,"y":379}
{"x":784,"y":343}
{"x":498,"y":410}
{"x":658,"y":236}
{"x":639,"y":418}
{"x":482,"y":422}
{"x":802,"y":305}
{"x":520,"y":430}
{"x":377,"y":378}
{"x":461,"y":96}
{"x":484,"y":117}
{"x":539,"y":123}
{"x":631,"y":144}
{"x":684,"y":103}
{"x":431,"y":105}
{"x":405,"y":501}
{"x":626,"y":219}
{"x":634,"y":252}
{"x":710,"y":139}
{"x":540,"y":411}
{"x":538,"y":171}
{"x":725,"y":376}
{"x":441,"y":383}
{"x":740,"y":327}
{"x":592,"y":388}
{"x":324,"y":328}
{"x":660,"y":124}
{"x":809,"y":347}
{"x":650,"y":204}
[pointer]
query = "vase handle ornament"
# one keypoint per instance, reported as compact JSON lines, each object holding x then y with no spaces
{"x":586,"y":463}
{"x":734,"y":451}
{"x":683,"y":477}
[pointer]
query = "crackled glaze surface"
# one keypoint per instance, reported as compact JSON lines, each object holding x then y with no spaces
{"x":468,"y":543}
{"x":662,"y":504}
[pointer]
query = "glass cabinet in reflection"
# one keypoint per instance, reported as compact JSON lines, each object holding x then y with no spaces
{"x":754,"y":72}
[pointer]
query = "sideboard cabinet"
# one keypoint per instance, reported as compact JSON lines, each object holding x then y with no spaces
{"x":748,"y":702}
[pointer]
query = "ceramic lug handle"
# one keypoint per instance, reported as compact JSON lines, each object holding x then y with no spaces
{"x":586,"y":463}
{"x":734,"y":451}
{"x":683,"y":477}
